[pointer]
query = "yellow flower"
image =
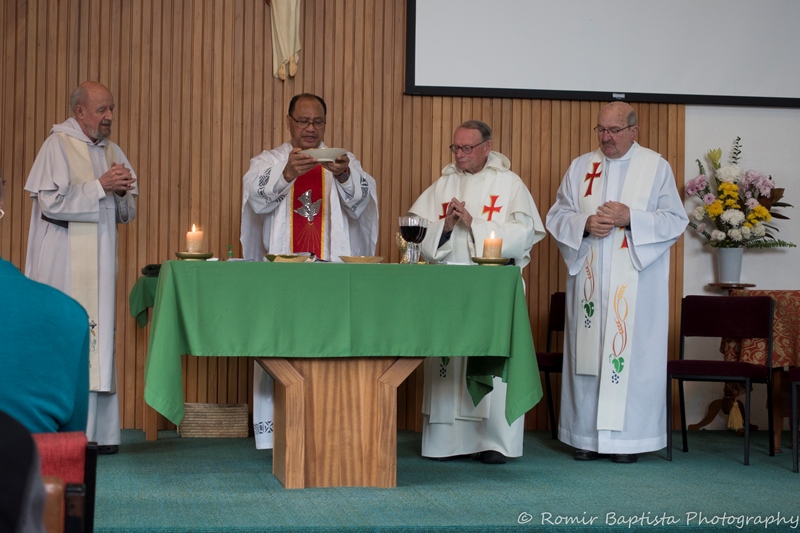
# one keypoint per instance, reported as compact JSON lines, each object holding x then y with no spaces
{"x":714,"y":209}
{"x":715,"y":156}
{"x":731,"y":203}
{"x":759,"y":213}
{"x":727,"y":189}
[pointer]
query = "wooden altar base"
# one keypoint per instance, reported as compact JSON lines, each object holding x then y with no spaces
{"x":335,"y":420}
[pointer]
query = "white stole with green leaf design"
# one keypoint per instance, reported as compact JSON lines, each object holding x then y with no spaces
{"x":620,"y":309}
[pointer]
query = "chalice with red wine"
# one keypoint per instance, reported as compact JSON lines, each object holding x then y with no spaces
{"x":413,"y":229}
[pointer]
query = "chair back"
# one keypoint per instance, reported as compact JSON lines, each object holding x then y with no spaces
{"x":63,"y":455}
{"x":735,"y":317}
{"x":69,"y":457}
{"x":558,"y":311}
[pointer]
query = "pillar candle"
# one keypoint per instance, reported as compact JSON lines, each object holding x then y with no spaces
{"x":194,"y":241}
{"x":492,"y":248}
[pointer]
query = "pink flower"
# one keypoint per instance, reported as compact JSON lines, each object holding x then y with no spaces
{"x":757,"y":181}
{"x":696,"y":185}
{"x":752,"y":203}
{"x":709,"y":199}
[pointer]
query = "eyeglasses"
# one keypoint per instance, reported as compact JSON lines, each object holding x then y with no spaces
{"x":611,"y":131}
{"x":304,"y":123}
{"x":467,"y":149}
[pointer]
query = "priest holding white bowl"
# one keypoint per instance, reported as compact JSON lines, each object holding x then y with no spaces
{"x":304,"y":197}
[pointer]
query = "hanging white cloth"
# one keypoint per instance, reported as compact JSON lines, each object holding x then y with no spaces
{"x":285,"y":37}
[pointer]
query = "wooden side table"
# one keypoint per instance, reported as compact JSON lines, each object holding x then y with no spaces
{"x":731,"y":286}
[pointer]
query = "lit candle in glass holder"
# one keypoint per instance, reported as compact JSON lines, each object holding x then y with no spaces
{"x":492,"y":247}
{"x":194,"y":240}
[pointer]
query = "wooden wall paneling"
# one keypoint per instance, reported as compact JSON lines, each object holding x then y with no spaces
{"x":116,"y":70}
{"x":10,"y":90}
{"x":394,"y":190}
{"x":37,"y":40}
{"x":365,"y":65}
{"x":354,"y":64}
{"x":78,"y":53}
{"x":29,"y":36}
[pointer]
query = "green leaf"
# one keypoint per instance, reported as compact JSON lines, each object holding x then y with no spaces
{"x":700,"y":166}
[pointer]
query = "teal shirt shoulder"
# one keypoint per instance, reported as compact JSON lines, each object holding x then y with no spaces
{"x":44,"y":354}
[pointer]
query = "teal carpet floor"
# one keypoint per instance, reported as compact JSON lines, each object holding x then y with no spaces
{"x":225,"y":485}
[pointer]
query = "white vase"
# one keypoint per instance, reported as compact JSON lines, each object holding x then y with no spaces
{"x":729,"y":265}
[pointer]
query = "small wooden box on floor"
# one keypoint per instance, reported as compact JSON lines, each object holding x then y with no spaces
{"x":214,"y":420}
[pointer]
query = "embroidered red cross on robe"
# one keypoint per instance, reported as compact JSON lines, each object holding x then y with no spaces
{"x":492,"y":209}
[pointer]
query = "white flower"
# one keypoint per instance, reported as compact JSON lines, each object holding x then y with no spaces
{"x":699,"y":213}
{"x":746,"y":232}
{"x":734,"y":217}
{"x":729,"y":173}
{"x":759,"y":230}
{"x":702,"y":227}
{"x":735,"y":235}
{"x":718,"y":235}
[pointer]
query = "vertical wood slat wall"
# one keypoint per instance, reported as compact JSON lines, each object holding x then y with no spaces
{"x":196,"y":99}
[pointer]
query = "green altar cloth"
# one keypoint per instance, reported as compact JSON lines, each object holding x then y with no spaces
{"x":342,"y":310}
{"x":142,"y":296}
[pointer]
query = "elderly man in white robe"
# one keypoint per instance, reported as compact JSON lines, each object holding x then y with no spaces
{"x":82,"y":186}
{"x":617,"y":213}
{"x":475,"y":196}
{"x":293,"y":202}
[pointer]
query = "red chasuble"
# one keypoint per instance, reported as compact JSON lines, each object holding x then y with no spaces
{"x":308,"y":217}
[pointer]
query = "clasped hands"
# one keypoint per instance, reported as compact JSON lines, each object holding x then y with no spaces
{"x":610,"y":215}
{"x":299,"y":163}
{"x":456,"y":211}
{"x":117,"y":179}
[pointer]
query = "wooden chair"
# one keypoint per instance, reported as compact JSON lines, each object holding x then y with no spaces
{"x":54,"y":506}
{"x":723,"y":316}
{"x":549,"y":361}
{"x":69,"y":457}
{"x":794,"y":377}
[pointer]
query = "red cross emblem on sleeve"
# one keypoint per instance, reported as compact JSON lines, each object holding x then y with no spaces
{"x":591,"y":177}
{"x":491,"y":209}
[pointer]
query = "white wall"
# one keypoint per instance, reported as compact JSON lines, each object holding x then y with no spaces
{"x":770,"y":144}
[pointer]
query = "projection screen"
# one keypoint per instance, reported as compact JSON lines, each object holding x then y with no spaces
{"x":711,"y":52}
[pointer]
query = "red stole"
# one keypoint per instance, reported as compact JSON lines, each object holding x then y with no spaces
{"x":309,"y":235}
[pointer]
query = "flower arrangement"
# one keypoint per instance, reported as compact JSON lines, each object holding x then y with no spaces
{"x":737,"y":207}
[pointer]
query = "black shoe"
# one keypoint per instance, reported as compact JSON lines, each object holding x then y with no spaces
{"x":587,"y":455}
{"x":450,"y":458}
{"x":624,"y":458}
{"x":491,"y":457}
{"x":108,"y":449}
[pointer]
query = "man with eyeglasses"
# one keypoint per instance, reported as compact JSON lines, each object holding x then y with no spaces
{"x":476,"y":195}
{"x":292,"y":202}
{"x":617,"y":213}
